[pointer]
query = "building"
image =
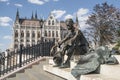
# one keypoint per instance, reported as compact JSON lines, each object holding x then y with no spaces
{"x":28,"y":32}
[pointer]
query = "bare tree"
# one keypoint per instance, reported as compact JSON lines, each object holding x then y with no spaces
{"x":104,"y":21}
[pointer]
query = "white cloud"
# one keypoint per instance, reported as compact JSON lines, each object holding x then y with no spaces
{"x":4,"y":21}
{"x":46,"y":0}
{"x":18,"y":5}
{"x":82,"y":11}
{"x":55,"y":0}
{"x":3,"y":0}
{"x":82,"y":14}
{"x":68,"y":16}
{"x":58,"y":13}
{"x":1,"y":44}
{"x":7,"y":37}
{"x":38,"y":2}
{"x":7,"y":3}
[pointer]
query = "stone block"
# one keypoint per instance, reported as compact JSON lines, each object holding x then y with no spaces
{"x":110,"y":70}
{"x":117,"y":57}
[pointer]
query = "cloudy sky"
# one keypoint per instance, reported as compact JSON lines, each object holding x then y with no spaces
{"x":62,"y":9}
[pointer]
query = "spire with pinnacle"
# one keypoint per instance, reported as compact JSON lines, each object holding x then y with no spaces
{"x":77,"y":22}
{"x":17,"y":16}
{"x":32,"y":17}
{"x":36,"y":15}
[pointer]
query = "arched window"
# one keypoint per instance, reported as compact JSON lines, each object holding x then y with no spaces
{"x":56,"y":33}
{"x":28,"y":45}
{"x":53,"y":22}
{"x":49,"y":34}
{"x":16,"y":46}
{"x":38,"y":34}
{"x":53,"y":34}
{"x":28,"y":41}
{"x":45,"y":33}
{"x":22,"y":40}
{"x":27,"y":34}
{"x":49,"y":23}
{"x":16,"y":40}
{"x":16,"y":33}
{"x":22,"y":34}
{"x":33,"y":34}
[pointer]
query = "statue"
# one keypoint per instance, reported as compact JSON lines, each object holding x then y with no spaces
{"x":74,"y":43}
{"x":90,"y":63}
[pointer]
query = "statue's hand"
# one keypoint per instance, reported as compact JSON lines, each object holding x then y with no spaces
{"x":59,"y":44}
{"x":52,"y":51}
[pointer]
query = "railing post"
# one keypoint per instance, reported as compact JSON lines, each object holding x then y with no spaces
{"x":20,"y":58}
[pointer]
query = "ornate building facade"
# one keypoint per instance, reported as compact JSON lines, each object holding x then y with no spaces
{"x":28,"y":32}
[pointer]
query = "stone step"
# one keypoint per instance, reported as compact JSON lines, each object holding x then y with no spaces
{"x":96,"y":77}
{"x":110,"y":70}
{"x":66,"y":74}
{"x":117,"y":57}
{"x":35,"y":75}
{"x":11,"y":78}
{"x":51,"y":76}
{"x":22,"y":76}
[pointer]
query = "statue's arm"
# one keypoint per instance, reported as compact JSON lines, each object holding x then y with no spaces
{"x":73,"y":38}
{"x":65,"y":39}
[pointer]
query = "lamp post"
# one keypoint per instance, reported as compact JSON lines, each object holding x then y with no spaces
{"x":41,"y":47}
{"x":41,"y":26}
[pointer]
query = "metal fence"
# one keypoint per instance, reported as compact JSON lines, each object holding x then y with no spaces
{"x":13,"y":60}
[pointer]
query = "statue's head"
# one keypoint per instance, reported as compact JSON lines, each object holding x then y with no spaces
{"x":69,"y":22}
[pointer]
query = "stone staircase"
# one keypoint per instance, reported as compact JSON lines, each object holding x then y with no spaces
{"x":35,"y":72}
{"x":107,"y":72}
{"x":45,"y":71}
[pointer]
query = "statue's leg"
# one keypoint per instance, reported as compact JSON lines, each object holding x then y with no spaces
{"x":66,"y":62}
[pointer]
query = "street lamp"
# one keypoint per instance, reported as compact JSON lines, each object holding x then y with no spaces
{"x":41,"y":26}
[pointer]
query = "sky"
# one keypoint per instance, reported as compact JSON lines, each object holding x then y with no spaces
{"x":62,"y":9}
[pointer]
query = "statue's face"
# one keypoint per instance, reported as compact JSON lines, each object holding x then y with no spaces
{"x":69,"y":24}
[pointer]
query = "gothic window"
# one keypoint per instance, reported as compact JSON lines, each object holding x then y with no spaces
{"x":53,"y":22}
{"x":45,"y":33}
{"x":16,"y":45}
{"x":51,"y":17}
{"x":22,"y":45}
{"x":49,"y":23}
{"x":49,"y":34}
{"x":28,"y":45}
{"x":33,"y":42}
{"x":28,"y":34}
{"x":22,"y":34}
{"x":22,"y":40}
{"x":53,"y":34}
{"x":16,"y":33}
{"x":33,"y":34}
{"x":56,"y":33}
{"x":28,"y":40}
{"x":38,"y":34}
{"x":16,"y":40}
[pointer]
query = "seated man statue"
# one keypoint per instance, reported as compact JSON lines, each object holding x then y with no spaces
{"x":74,"y":43}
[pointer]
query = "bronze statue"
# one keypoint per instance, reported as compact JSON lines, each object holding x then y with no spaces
{"x":74,"y":43}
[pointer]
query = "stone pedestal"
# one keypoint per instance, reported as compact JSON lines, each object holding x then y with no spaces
{"x":107,"y":72}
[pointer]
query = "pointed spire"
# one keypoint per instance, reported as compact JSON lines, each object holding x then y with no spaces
{"x":17,"y":16}
{"x":36,"y":15}
{"x":32,"y":17}
{"x":77,"y":22}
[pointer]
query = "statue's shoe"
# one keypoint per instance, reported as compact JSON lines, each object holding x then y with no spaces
{"x":56,"y":65}
{"x":64,"y":66}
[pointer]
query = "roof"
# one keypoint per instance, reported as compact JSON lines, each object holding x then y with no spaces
{"x":29,"y":22}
